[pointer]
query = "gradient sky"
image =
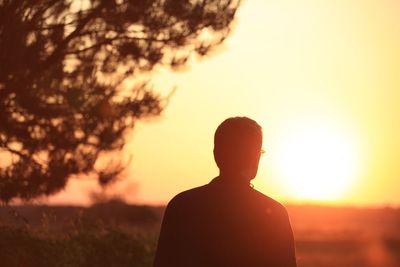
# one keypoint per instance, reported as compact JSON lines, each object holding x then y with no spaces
{"x":295,"y":67}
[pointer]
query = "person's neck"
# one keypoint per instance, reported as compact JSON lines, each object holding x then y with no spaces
{"x":234,"y":179}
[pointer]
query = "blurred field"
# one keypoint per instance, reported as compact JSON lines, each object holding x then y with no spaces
{"x":118,"y":234}
{"x":333,"y":236}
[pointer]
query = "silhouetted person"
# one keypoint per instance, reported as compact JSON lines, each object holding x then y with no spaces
{"x":227,"y":223}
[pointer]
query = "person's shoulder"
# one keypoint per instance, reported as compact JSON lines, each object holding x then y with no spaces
{"x":269,"y":203}
{"x":187,"y":196}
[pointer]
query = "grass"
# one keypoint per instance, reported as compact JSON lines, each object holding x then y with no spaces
{"x":84,"y":246}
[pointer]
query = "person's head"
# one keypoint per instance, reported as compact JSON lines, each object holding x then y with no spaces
{"x":237,"y":147}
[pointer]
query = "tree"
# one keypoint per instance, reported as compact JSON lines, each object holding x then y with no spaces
{"x":64,"y":101}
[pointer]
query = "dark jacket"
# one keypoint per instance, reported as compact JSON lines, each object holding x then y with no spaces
{"x":226,"y":225}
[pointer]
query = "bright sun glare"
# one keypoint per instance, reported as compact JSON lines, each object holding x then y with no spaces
{"x":318,"y":163}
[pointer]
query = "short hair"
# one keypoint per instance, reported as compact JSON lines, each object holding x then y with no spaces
{"x":235,"y":140}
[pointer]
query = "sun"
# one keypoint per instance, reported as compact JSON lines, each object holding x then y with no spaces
{"x":318,"y":163}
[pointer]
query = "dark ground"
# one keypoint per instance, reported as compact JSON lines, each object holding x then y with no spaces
{"x":118,"y":234}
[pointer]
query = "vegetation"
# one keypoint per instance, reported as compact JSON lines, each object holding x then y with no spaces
{"x":65,"y":100}
{"x":88,"y":246}
{"x":71,"y":236}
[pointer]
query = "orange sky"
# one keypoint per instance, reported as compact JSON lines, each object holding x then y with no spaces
{"x":324,"y":72}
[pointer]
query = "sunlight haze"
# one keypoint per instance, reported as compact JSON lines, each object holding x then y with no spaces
{"x":323,"y":80}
